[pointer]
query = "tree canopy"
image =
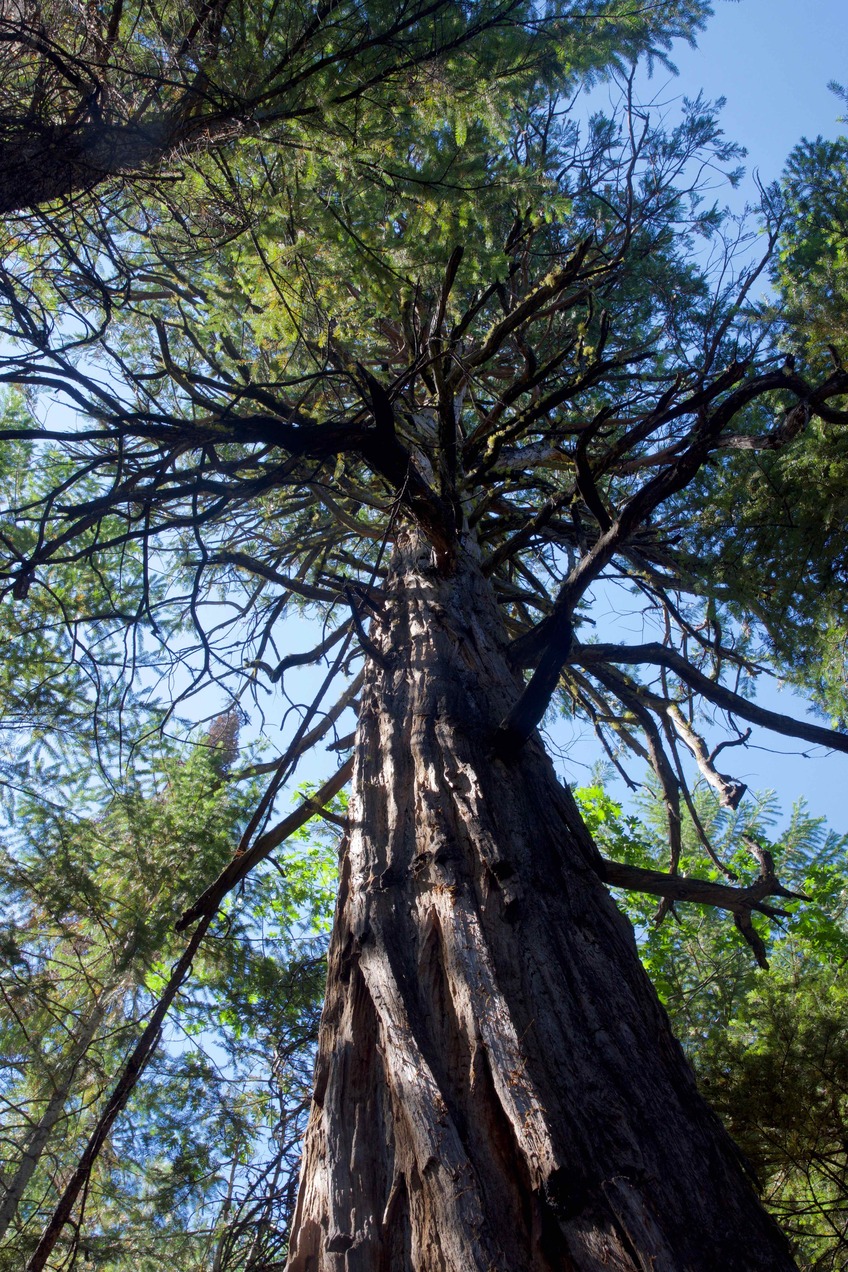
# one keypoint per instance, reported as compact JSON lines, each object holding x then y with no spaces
{"x":91,"y":95}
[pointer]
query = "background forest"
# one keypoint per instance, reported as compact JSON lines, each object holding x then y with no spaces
{"x":213,"y":208}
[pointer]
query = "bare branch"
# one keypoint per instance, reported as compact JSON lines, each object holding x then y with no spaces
{"x":712,"y":690}
{"x":740,"y":902}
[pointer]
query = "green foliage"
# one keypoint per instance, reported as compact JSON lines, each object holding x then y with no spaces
{"x":770,"y":1048}
{"x":778,"y":1076}
{"x":780,"y":576}
{"x":812,"y":267}
{"x":204,"y":1159}
{"x":769,"y":523}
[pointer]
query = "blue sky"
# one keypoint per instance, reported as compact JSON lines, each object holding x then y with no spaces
{"x":772,"y":65}
{"x":772,"y":60}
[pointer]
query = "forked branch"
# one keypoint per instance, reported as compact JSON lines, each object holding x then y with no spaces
{"x":740,"y":902}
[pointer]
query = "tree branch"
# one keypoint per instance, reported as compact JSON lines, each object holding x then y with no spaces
{"x":242,"y":863}
{"x":590,"y":655}
{"x":739,"y":901}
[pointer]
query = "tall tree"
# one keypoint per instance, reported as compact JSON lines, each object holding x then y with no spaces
{"x":441,"y":441}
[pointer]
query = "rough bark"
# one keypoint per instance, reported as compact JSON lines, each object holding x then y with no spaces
{"x":497,"y":1086}
{"x":39,"y":165}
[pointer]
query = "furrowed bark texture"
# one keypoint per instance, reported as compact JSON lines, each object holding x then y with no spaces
{"x":497,"y":1087}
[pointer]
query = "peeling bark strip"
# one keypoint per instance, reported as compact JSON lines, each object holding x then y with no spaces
{"x":497,"y":1088}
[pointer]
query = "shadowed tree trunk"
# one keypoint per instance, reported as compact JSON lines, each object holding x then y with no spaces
{"x":44,"y":163}
{"x":497,"y":1086}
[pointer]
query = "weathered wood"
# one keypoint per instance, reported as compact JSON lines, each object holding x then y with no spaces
{"x":497,"y":1087}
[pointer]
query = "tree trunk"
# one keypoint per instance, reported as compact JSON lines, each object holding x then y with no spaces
{"x":497,"y":1086}
{"x":40,"y":164}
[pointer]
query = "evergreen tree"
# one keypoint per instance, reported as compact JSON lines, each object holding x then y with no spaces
{"x":436,"y":412}
{"x":203,"y":1167}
